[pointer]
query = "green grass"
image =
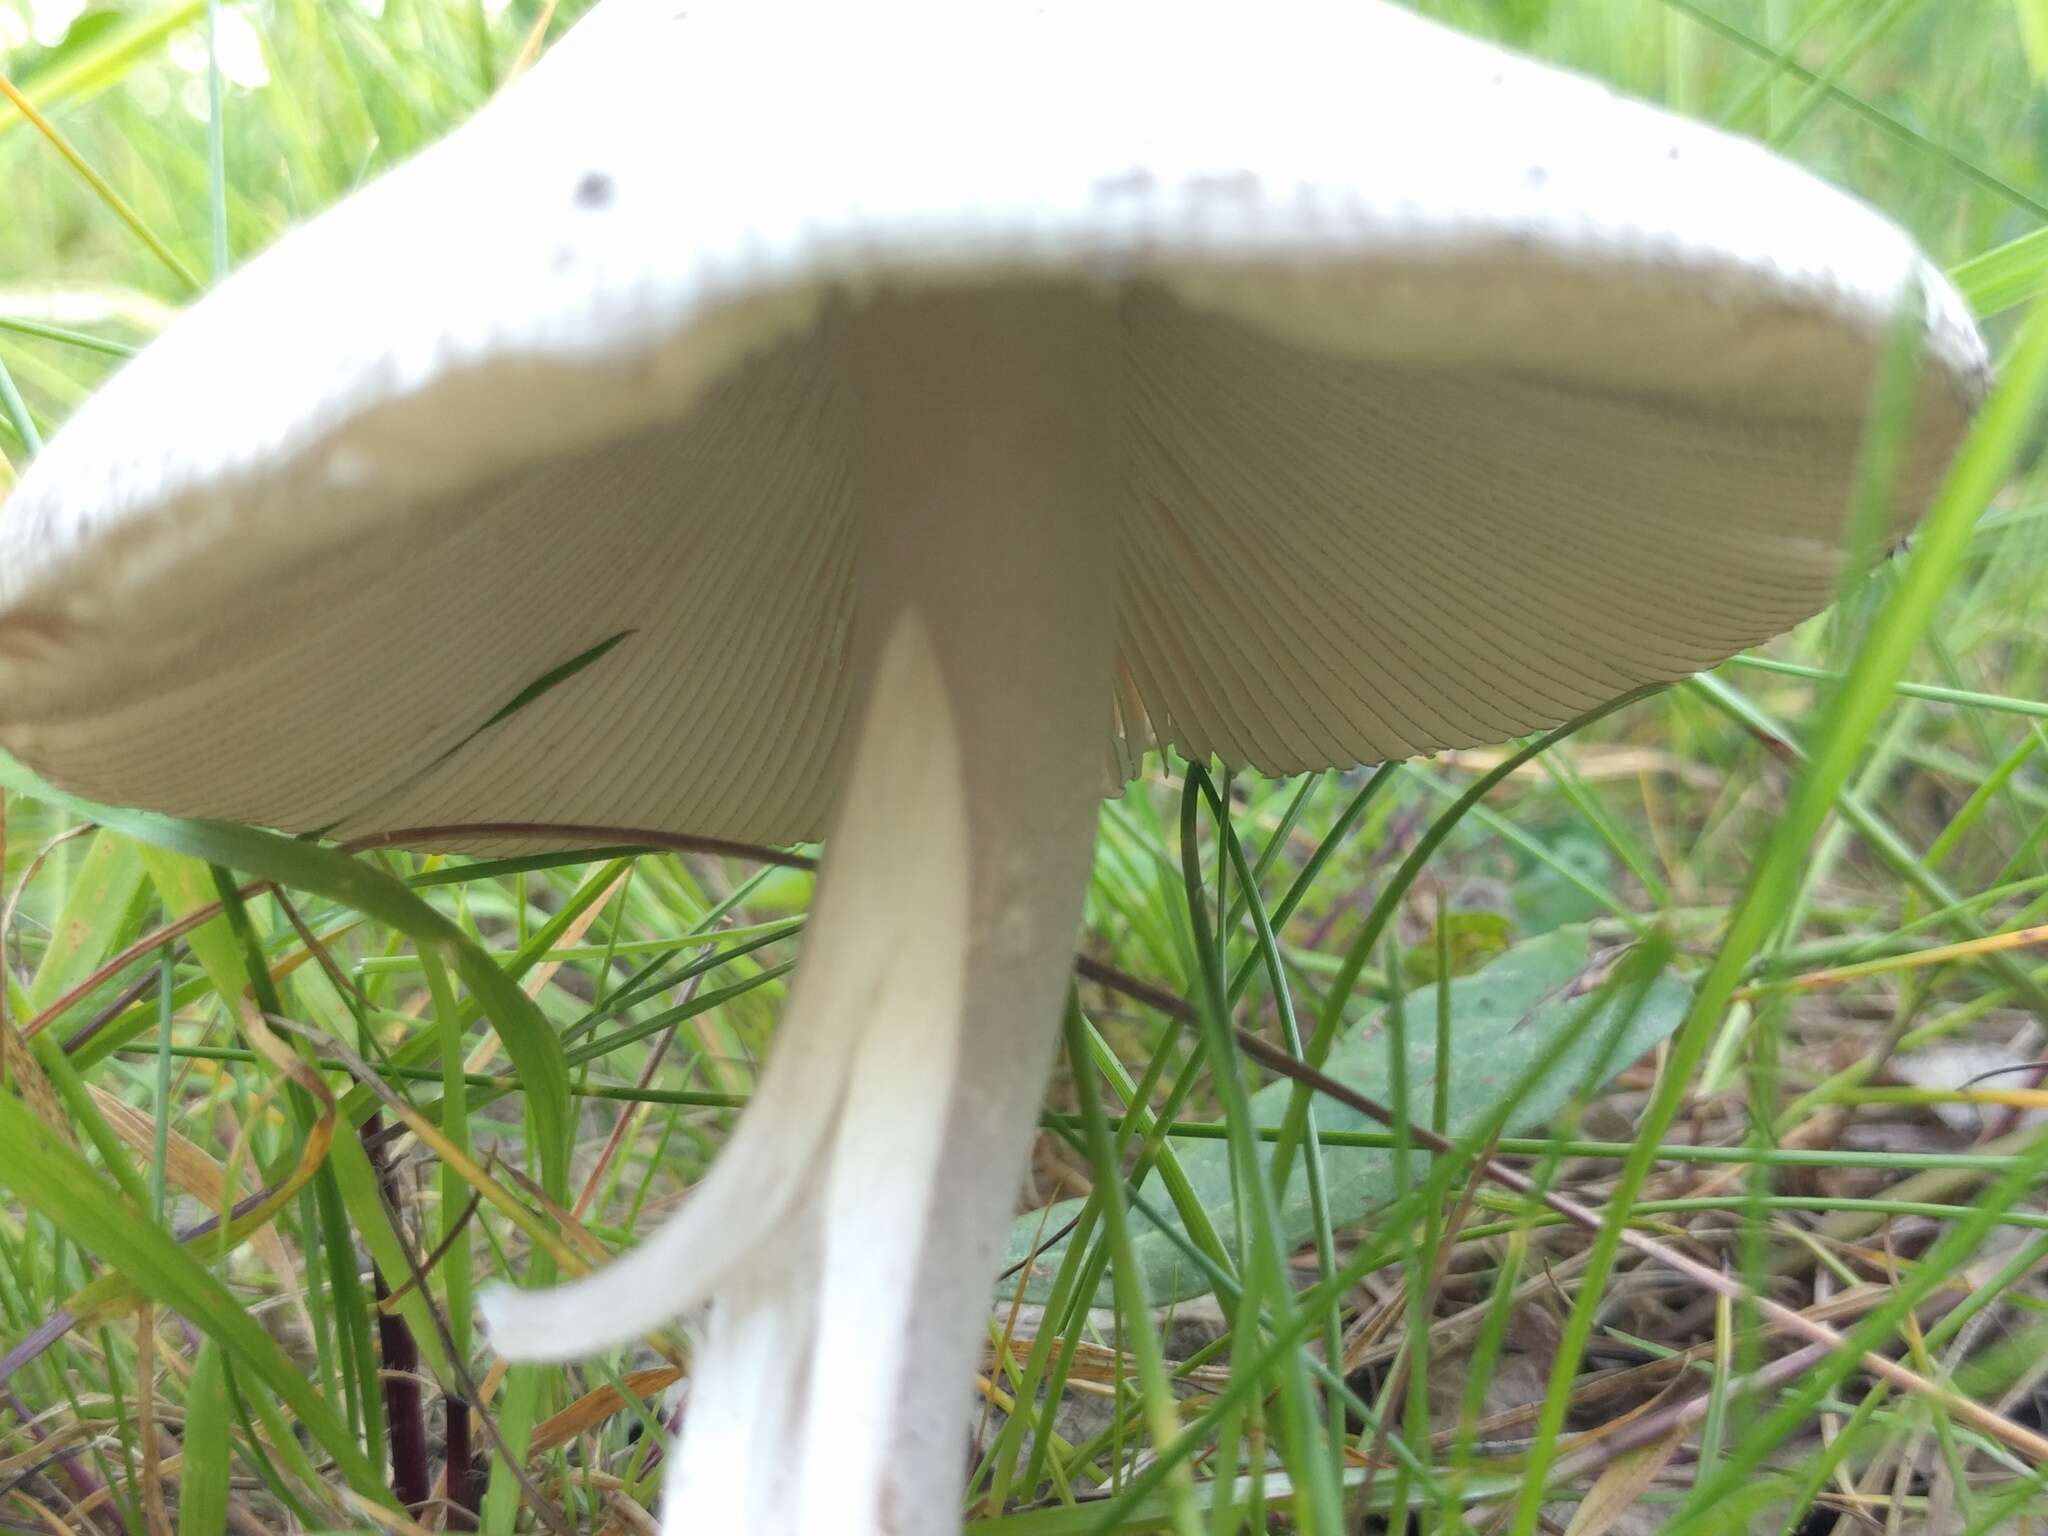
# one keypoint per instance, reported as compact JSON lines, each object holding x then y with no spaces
{"x":1777,"y":892}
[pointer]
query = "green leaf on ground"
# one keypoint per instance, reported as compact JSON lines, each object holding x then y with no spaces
{"x":1474,"y":939}
{"x":1502,"y":1018}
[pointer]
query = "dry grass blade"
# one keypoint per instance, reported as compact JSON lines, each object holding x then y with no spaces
{"x":192,"y":1169}
{"x":599,"y":1404}
{"x":2027,"y":1442}
{"x":169,"y":933}
{"x":1615,"y":1492}
{"x":1942,"y":954}
{"x":147,"y":1431}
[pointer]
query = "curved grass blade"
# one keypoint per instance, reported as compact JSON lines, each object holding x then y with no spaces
{"x":535,"y":1052}
{"x":65,"y":1190}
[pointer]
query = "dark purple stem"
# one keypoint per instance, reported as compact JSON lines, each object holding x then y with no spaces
{"x":465,"y":1468}
{"x":84,"y":1484}
{"x":405,"y":1415}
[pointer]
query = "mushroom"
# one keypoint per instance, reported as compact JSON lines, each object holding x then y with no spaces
{"x":895,"y":436}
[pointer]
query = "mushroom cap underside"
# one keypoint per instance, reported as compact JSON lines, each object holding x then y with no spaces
{"x":1459,"y":396}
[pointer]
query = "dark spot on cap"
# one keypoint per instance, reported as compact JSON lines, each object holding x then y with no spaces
{"x":1538,"y":176}
{"x":595,"y":190}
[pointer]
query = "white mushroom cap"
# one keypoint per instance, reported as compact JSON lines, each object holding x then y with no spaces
{"x":1458,"y":396}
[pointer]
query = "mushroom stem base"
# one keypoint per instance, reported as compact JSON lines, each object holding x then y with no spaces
{"x":942,"y":937}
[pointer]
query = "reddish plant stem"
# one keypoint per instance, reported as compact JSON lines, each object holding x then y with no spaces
{"x":464,"y":1469}
{"x":405,"y":1416}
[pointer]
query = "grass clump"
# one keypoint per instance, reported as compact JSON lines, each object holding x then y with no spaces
{"x":1671,"y":1159}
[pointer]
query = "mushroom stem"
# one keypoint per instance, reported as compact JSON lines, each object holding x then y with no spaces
{"x":847,"y":1236}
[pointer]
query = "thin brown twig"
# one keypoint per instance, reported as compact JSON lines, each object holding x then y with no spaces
{"x":1149,"y":993}
{"x":317,"y":948}
{"x":169,"y":933}
{"x":2017,"y":1436}
{"x":641,"y":839}
{"x":628,"y":1113}
{"x":1675,"y":1418}
{"x":440,"y":1250}
{"x":121,"y":1002}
